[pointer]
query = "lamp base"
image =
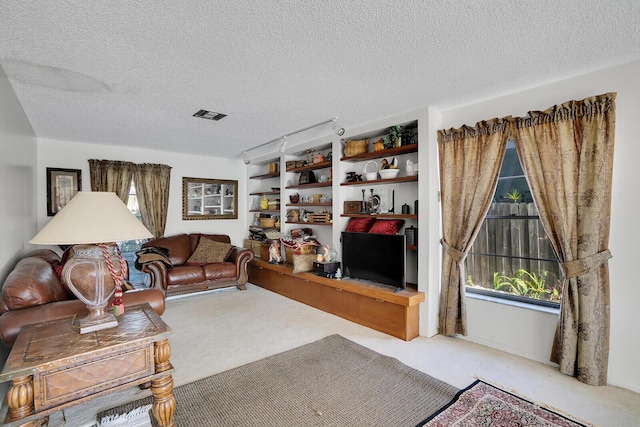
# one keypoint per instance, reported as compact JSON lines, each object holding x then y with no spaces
{"x":90,"y":324}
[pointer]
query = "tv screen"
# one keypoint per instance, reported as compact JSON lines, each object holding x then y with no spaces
{"x":376,"y":257}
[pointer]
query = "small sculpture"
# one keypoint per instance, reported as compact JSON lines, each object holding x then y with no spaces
{"x":338,"y":275}
{"x":275,"y":256}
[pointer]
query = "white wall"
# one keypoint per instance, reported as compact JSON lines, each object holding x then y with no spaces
{"x":529,"y":333}
{"x":17,"y":178}
{"x":71,"y":155}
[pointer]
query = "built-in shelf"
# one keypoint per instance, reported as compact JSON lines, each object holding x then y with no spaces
{"x":384,"y":181}
{"x":266,"y":175}
{"x":313,"y":185}
{"x":273,"y":211}
{"x":313,"y":166}
{"x":388,"y":216}
{"x":265,"y":193}
{"x":302,"y":205}
{"x":309,"y":223}
{"x":396,"y":151}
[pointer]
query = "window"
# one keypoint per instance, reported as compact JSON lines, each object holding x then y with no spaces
{"x":511,"y":257}
{"x":129,"y":248}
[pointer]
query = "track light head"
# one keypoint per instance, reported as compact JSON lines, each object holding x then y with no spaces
{"x":245,"y":157}
{"x":338,"y":131}
{"x":283,"y":145}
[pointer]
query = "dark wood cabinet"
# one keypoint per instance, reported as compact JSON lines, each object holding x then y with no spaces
{"x":374,"y":306}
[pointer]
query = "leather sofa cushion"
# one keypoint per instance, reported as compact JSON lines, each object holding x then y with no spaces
{"x":179,"y":247}
{"x":222,"y":270}
{"x":185,"y":274}
{"x":32,"y":282}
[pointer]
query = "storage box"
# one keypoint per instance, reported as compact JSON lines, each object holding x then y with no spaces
{"x":255,"y":246}
{"x":326,"y":269}
{"x":352,"y":207}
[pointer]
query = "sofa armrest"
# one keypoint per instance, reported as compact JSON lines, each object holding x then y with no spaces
{"x":158,"y":272}
{"x":240,"y":257}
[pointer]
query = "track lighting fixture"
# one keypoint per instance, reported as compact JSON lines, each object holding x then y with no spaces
{"x":339,"y":131}
{"x":283,"y":144}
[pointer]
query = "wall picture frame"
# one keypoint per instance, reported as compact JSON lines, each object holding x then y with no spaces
{"x":204,"y":198}
{"x":62,"y":185}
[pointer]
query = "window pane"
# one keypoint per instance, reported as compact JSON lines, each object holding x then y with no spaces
{"x":512,"y":254}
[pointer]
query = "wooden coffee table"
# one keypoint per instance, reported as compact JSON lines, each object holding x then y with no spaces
{"x":52,"y":366}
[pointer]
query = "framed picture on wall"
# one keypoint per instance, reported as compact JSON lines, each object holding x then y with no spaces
{"x":62,"y":185}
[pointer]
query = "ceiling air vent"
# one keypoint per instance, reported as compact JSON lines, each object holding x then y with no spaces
{"x":211,"y":115}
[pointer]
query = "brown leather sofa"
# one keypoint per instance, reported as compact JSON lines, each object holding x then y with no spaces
{"x":175,"y":274}
{"x":33,"y":293}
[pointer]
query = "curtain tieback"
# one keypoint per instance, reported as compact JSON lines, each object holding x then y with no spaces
{"x":584,"y":265}
{"x":458,"y":256}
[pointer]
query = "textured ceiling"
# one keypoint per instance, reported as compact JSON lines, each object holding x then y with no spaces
{"x":132,"y":73}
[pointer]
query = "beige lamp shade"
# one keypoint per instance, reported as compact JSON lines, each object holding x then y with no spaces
{"x":92,"y":217}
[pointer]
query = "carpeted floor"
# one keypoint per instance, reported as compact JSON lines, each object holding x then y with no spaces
{"x":330,"y":382}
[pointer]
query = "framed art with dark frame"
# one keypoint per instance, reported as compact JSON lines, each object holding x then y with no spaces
{"x":62,"y":185}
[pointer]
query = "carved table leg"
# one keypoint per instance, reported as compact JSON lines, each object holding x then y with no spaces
{"x":164,"y":403}
{"x":20,"y":400}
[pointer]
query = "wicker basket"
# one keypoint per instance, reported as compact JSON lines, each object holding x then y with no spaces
{"x":267,"y":222}
{"x":354,"y":147}
{"x":302,"y":250}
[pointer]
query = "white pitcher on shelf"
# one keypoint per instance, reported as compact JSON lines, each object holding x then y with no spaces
{"x":410,"y":168}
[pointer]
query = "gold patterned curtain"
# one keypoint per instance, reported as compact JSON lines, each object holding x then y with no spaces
{"x":152,"y":188}
{"x":566,"y":152}
{"x":470,"y":161}
{"x":111,"y":175}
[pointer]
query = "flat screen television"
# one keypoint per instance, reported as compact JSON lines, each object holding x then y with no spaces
{"x":380,"y":258}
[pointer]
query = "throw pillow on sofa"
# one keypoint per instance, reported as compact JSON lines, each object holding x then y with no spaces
{"x":209,"y":251}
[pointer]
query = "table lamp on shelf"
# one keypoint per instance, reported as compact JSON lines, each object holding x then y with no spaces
{"x":93,"y":221}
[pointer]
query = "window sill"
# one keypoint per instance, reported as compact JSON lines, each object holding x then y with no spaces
{"x":519,"y":304}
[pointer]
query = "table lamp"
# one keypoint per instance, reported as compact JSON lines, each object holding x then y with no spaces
{"x":93,"y":221}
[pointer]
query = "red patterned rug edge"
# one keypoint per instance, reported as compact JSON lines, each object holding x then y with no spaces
{"x":544,"y":407}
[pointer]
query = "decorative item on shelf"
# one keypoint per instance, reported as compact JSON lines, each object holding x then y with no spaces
{"x":368,"y":171}
{"x":353,"y":177}
{"x":410,"y":170}
{"x":289,"y":164}
{"x":415,"y":207}
{"x":293,"y":215}
{"x":378,"y":145}
{"x":412,"y":235}
{"x":352,"y":207}
{"x":272,"y":167}
{"x":329,"y":254}
{"x":323,"y":217}
{"x":318,"y":158}
{"x":316,"y":198}
{"x":354,"y":147}
{"x":374,"y":203}
{"x":394,"y":138}
{"x":389,"y":169}
{"x":275,"y":256}
{"x":267,"y":222}
{"x":255,"y":205}
{"x":338,"y":275}
{"x":309,"y":155}
{"x":264,"y":203}
{"x":307,"y":177}
{"x":405,"y":209}
{"x":94,"y":272}
{"x":274,"y":204}
{"x":294,"y":198}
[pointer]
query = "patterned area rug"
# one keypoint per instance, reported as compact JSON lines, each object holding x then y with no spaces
{"x":330,"y":382}
{"x":482,"y":404}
